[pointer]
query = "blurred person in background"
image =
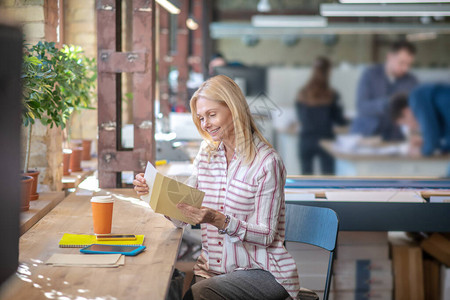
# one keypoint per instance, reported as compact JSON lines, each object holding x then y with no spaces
{"x":318,"y":109}
{"x":377,"y":85}
{"x":425,"y":115}
{"x":217,"y":60}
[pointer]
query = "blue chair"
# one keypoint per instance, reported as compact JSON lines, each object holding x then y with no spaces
{"x":317,"y":226}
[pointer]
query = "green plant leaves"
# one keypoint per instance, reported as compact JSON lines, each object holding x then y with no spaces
{"x":55,"y":83}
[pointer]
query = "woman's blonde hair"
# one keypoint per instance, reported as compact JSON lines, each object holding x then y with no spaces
{"x":224,"y":90}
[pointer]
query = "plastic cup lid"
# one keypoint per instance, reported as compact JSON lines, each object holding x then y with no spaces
{"x":102,"y":199}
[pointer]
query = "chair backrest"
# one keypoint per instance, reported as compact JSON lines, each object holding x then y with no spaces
{"x":317,"y":226}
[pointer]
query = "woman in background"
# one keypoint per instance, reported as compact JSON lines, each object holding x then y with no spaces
{"x":318,"y":109}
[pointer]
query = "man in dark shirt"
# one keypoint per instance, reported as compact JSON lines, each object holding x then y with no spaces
{"x":376,"y":86}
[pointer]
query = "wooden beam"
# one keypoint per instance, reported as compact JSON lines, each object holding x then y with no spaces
{"x":181,"y":58}
{"x":144,"y":82}
{"x":107,"y":97}
{"x":165,"y":60}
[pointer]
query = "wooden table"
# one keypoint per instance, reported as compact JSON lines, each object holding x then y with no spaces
{"x":39,"y":208}
{"x":378,"y":216}
{"x":146,"y":276}
{"x":348,"y":164}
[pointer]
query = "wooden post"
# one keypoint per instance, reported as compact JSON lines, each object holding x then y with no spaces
{"x":165,"y":60}
{"x":144,"y":82}
{"x":111,"y":63}
{"x":197,"y":37}
{"x":181,"y":59}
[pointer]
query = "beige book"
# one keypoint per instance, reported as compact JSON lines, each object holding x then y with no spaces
{"x":85,"y":260}
{"x":166,"y":193}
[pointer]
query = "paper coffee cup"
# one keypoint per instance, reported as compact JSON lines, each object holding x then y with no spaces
{"x":102,"y":211}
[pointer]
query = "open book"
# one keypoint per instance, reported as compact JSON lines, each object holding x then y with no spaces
{"x":166,"y":193}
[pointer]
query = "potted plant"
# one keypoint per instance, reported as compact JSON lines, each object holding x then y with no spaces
{"x":79,"y":94}
{"x":46,"y":70}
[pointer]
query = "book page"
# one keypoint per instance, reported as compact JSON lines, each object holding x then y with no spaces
{"x":150,"y":176}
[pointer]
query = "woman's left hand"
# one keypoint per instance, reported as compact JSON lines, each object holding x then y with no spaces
{"x":202,"y":215}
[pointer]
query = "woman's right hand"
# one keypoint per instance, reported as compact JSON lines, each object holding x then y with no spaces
{"x":140,"y":186}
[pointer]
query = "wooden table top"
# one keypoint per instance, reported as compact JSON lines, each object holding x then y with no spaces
{"x":328,"y":145}
{"x":39,"y":208}
{"x":146,"y":276}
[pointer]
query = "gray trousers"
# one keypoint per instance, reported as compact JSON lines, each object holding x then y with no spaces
{"x":242,"y":284}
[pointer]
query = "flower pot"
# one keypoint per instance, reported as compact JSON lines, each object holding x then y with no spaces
{"x":75,"y":160}
{"x":34,"y":174}
{"x":76,"y":144}
{"x":26,"y":185}
{"x":66,"y":161}
{"x":86,"y":150}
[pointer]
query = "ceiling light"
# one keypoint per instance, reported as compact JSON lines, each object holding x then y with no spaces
{"x":288,"y":21}
{"x":263,"y":6}
{"x":421,"y":36}
{"x":387,"y":10}
{"x":224,"y":30}
{"x":392,"y":1}
{"x":170,"y":6}
{"x":191,"y":23}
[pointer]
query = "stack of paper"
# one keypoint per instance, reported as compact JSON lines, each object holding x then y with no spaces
{"x":363,"y":269}
{"x":81,"y":260}
{"x":312,"y":265}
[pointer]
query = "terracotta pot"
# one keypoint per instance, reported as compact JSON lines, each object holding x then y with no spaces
{"x":27,"y":183}
{"x":86,"y":149}
{"x":66,"y":161}
{"x":75,"y":144}
{"x":34,"y":195}
{"x":75,"y":160}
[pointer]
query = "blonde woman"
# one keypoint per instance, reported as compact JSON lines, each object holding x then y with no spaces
{"x":243,"y":217}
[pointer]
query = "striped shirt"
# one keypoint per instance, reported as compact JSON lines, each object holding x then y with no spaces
{"x":253,"y":196}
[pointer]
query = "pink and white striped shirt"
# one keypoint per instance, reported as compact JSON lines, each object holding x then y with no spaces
{"x":253,"y":196}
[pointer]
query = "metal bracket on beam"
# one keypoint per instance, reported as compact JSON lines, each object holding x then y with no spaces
{"x":120,"y":62}
{"x":132,"y":56}
{"x":146,"y":124}
{"x":108,"y":126}
{"x":143,"y":164}
{"x":107,"y":157}
{"x":108,"y":5}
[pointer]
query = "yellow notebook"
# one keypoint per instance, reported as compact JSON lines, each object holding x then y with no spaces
{"x":82,"y":240}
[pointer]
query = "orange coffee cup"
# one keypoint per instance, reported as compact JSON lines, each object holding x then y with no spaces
{"x":102,"y":211}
